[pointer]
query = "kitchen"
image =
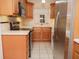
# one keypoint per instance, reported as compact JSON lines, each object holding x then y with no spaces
{"x":21,"y":26}
{"x":36,"y":29}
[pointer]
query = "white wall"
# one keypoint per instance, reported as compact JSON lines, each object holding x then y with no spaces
{"x":37,"y":12}
{"x":40,"y":1}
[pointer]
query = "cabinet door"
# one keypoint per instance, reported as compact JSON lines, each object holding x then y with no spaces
{"x":27,"y":46}
{"x":66,"y":48}
{"x":29,"y":10}
{"x":14,"y":47}
{"x":46,"y":34}
{"x":76,"y":55}
{"x":16,"y":9}
{"x":36,"y":34}
{"x":7,"y":7}
{"x":53,"y":10}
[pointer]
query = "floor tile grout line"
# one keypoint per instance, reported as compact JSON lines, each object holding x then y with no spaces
{"x":45,"y":47}
{"x":48,"y":53}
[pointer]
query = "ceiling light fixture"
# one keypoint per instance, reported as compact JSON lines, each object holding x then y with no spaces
{"x":43,"y":1}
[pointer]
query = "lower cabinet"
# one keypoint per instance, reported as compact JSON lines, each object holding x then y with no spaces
{"x":36,"y":34}
{"x":76,"y":51}
{"x":76,"y":55}
{"x":46,"y":33}
{"x":15,"y":46}
{"x":66,"y":48}
{"x":41,"y":34}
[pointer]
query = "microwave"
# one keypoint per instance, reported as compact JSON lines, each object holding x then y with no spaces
{"x":14,"y":26}
{"x":21,"y":9}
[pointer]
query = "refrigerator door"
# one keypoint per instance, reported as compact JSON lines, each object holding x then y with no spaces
{"x":60,"y":31}
{"x":1,"y":52}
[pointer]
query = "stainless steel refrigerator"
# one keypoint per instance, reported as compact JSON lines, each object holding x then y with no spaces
{"x":60,"y":30}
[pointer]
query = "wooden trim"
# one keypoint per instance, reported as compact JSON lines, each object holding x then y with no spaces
{"x":29,"y":3}
{"x":3,"y":22}
{"x":53,"y":4}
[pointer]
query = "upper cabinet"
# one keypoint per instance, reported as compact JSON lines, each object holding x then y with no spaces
{"x":9,"y":7}
{"x":21,"y":8}
{"x":29,"y":10}
{"x":52,"y":10}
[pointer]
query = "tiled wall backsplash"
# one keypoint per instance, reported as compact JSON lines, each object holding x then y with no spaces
{"x":26,"y":23}
{"x":38,"y":12}
{"x":36,"y":18}
{"x":4,"y":19}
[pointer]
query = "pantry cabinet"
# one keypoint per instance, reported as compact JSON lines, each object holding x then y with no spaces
{"x":76,"y":31}
{"x":53,"y":10}
{"x":76,"y":56}
{"x":29,"y":10}
{"x":15,"y":46}
{"x":76,"y":50}
{"x":9,"y":7}
{"x":41,"y":34}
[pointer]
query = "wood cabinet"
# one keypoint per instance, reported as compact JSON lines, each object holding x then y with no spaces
{"x":26,"y":1}
{"x":36,"y":34}
{"x":76,"y":55}
{"x":15,"y":46}
{"x":29,"y":10}
{"x":76,"y":31}
{"x":76,"y":51}
{"x":41,"y":34}
{"x":66,"y":48}
{"x":9,"y":7}
{"x":46,"y":33}
{"x":53,"y":10}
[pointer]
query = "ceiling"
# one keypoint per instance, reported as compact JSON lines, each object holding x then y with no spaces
{"x":39,"y":1}
{"x":47,"y":1}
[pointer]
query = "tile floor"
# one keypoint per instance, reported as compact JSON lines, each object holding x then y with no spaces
{"x":58,"y":50}
{"x":41,"y":50}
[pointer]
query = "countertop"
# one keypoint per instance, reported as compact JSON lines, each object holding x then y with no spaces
{"x":76,"y":40}
{"x":68,"y":35}
{"x":19,"y":32}
{"x":50,"y":24}
{"x":42,"y":25}
{"x":6,"y":28}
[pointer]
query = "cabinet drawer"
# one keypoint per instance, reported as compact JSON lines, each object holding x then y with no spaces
{"x":46,"y":29}
{"x":37,"y":29}
{"x":76,"y":47}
